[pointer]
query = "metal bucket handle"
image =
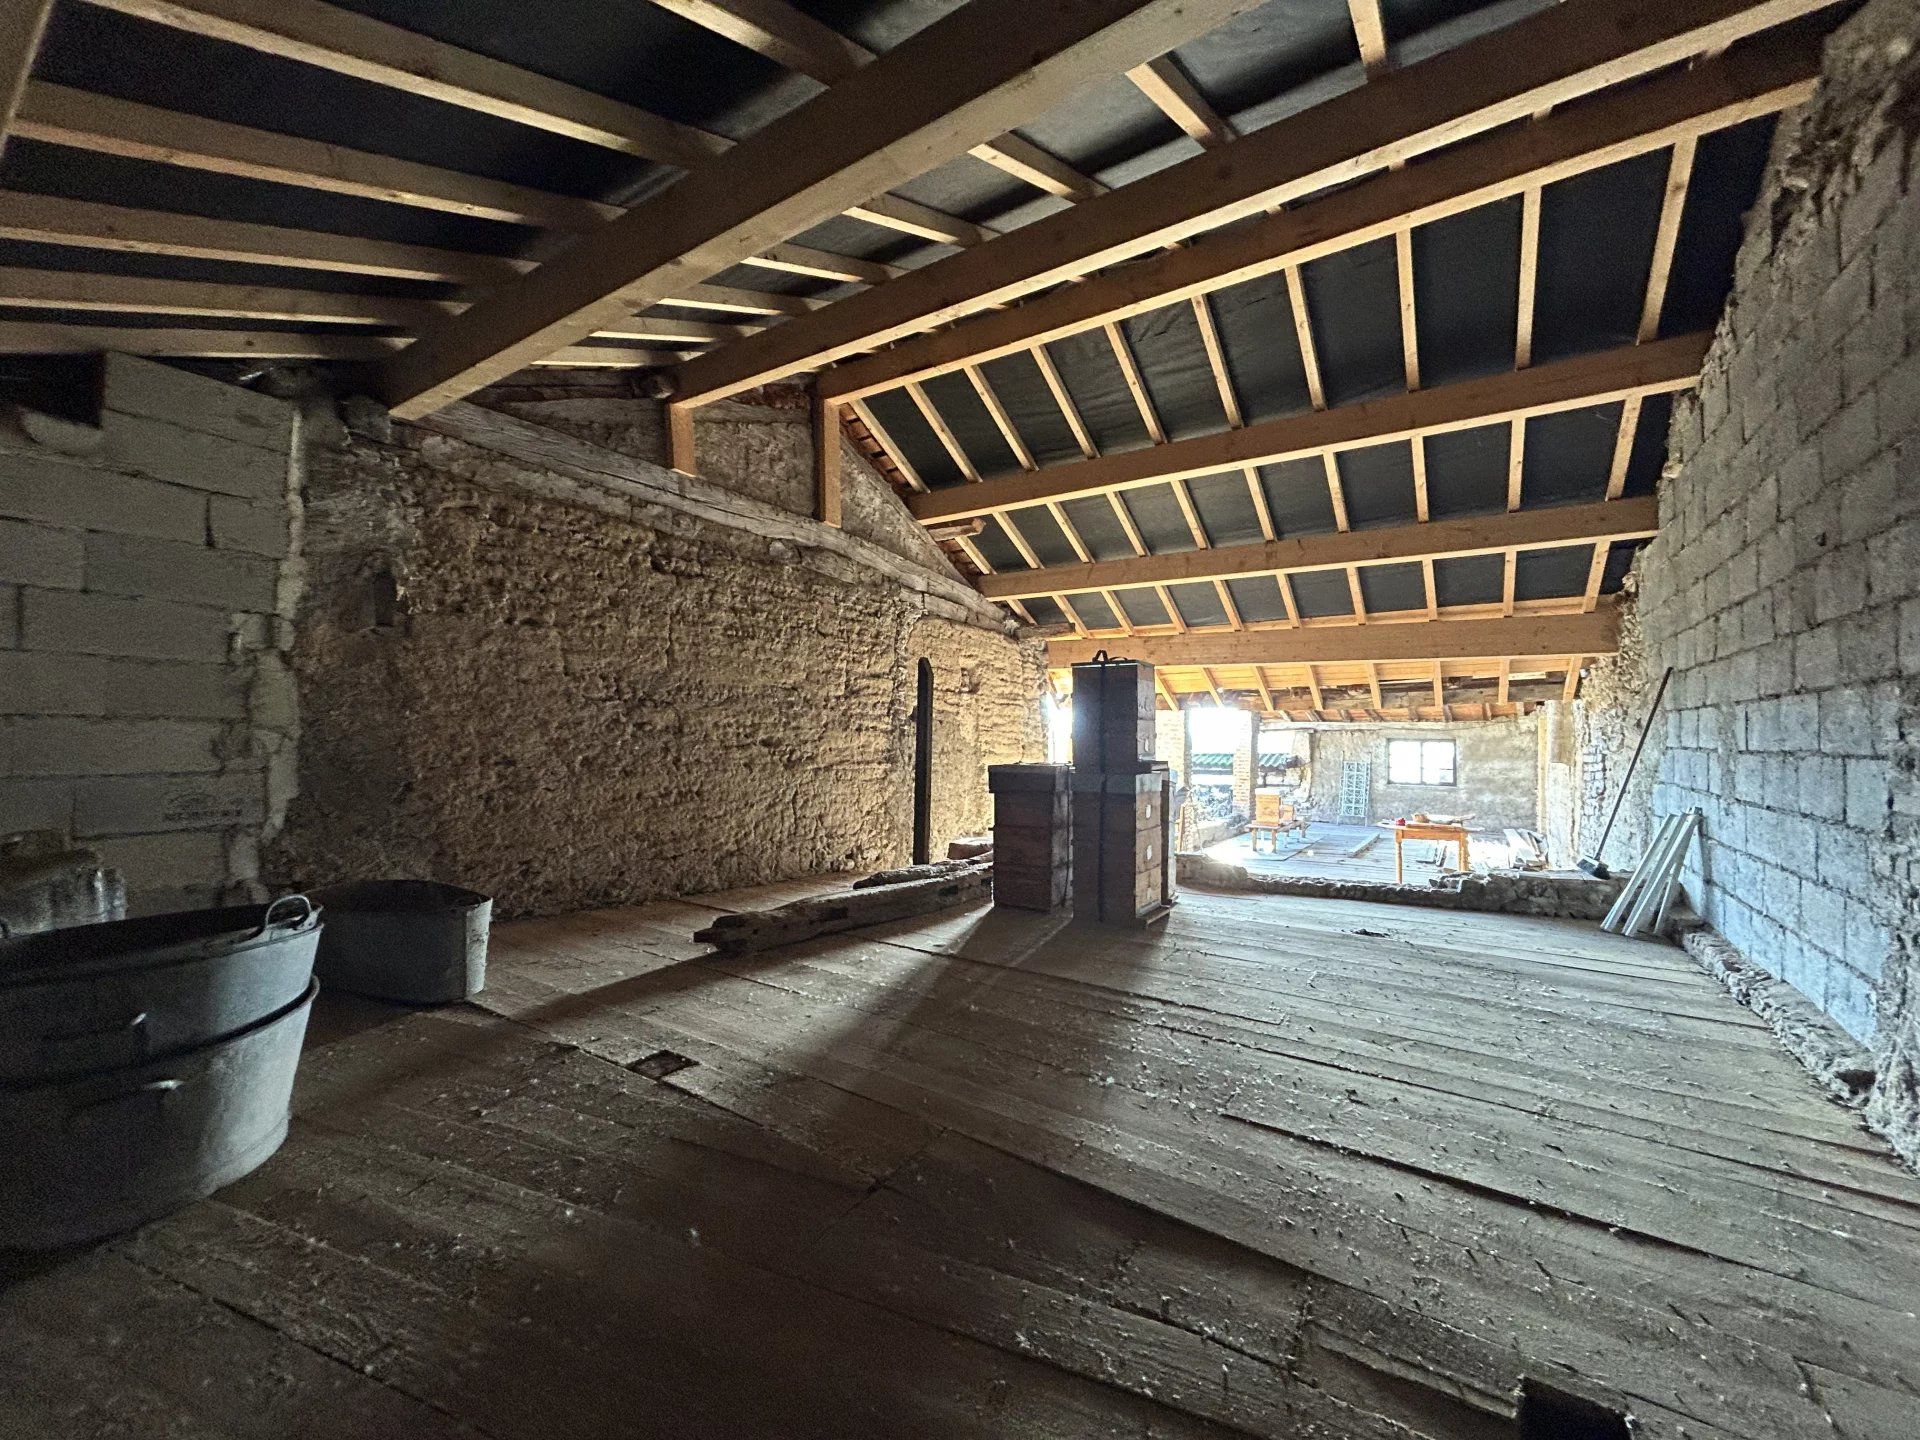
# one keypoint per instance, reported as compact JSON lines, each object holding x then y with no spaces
{"x":307,"y":908}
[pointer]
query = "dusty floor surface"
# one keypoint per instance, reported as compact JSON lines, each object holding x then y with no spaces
{"x":1285,"y":1168}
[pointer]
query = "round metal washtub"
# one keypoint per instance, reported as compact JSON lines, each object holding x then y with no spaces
{"x":416,"y":941}
{"x":102,"y":1153}
{"x":92,"y":997}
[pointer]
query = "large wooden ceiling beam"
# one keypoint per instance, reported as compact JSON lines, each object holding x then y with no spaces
{"x":966,"y":78}
{"x":793,"y":38}
{"x":1598,"y":379}
{"x":1547,"y":59}
{"x":34,"y":338}
{"x":1760,"y":78}
{"x":1434,"y":640}
{"x":1635,"y":519}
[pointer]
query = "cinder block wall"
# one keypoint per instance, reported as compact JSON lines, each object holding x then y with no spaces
{"x":1783,"y":583}
{"x":146,"y":709}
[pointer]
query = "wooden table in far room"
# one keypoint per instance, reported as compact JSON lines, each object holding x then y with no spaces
{"x":1449,"y":834}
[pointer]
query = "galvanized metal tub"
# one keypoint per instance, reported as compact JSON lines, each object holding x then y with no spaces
{"x":93,"y":997}
{"x":102,"y":1153}
{"x":416,"y":941}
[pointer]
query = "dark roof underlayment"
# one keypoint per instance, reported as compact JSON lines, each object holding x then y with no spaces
{"x":1596,"y":238}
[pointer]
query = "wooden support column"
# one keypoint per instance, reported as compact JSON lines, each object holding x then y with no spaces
{"x":680,"y":447}
{"x":826,"y":461}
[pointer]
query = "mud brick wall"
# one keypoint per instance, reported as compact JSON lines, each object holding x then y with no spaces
{"x":564,"y":702}
{"x":146,"y":707}
{"x":1784,"y":582}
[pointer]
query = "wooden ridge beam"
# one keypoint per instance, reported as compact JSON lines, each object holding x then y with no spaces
{"x":1550,"y":58}
{"x":905,"y":114}
{"x":1597,"y":379}
{"x":1546,"y":636}
{"x":1755,"y":79}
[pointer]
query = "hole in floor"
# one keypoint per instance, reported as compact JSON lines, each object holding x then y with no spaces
{"x":1550,"y":1414}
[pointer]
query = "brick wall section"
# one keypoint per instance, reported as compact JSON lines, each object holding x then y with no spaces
{"x":1783,"y":583}
{"x":145,"y":707}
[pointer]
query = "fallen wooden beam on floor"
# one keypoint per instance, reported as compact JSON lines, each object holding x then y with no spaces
{"x":946,"y":887}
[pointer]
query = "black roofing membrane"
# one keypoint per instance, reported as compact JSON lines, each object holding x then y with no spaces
{"x":1198,"y":603}
{"x":1226,"y":508}
{"x":1297,"y":497}
{"x":1094,"y":611}
{"x":960,"y":405}
{"x":1322,"y":592}
{"x":974,"y":190}
{"x":1467,"y":471}
{"x":1728,"y":166}
{"x":1255,"y":323}
{"x":1098,"y":527}
{"x":1568,"y":455}
{"x":1043,"y":535}
{"x":1353,"y":301}
{"x":1596,"y":245}
{"x":1162,"y":524}
{"x":95,"y":49}
{"x":1166,"y":345}
{"x":877,"y":24}
{"x":1469,"y":580}
{"x":1143,"y":607}
{"x":1030,"y":406}
{"x":999,"y":551}
{"x":32,"y":255}
{"x":1258,"y":598}
{"x":1044,"y":611}
{"x":1268,"y":50}
{"x":1400,"y":586}
{"x":914,"y":439}
{"x":1377,"y":481}
{"x":104,"y":179}
{"x":1649,"y":454}
{"x":1466,"y":290}
{"x":1548,"y":574}
{"x":1110,"y":131}
{"x":1099,"y":391}
{"x":1619,"y":560}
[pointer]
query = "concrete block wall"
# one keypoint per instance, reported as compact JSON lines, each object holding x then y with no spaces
{"x":1784,"y":586}
{"x":145,"y":707}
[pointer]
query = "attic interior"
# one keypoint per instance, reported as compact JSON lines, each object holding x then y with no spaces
{"x":947,"y":718}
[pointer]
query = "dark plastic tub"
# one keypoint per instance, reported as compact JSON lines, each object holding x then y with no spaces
{"x":415,"y":941}
{"x":94,"y":997}
{"x":92,"y":1156}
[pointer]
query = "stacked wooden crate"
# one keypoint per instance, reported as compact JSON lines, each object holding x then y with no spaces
{"x":1121,"y":798}
{"x":1032,"y":835}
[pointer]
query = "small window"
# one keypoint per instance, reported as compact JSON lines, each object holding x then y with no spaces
{"x":1420,"y":762}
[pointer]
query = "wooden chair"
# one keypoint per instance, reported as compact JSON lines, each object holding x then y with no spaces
{"x":1273,"y":817}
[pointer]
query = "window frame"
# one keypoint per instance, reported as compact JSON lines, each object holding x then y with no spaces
{"x":1422,"y":745}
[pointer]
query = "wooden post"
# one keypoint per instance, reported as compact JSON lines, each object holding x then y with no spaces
{"x":826,"y":461}
{"x":680,"y":449}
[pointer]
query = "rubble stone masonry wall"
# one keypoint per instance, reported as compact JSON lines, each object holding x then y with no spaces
{"x":565,"y":699}
{"x":1783,"y":583}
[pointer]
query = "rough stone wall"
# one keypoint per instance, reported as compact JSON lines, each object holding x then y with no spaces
{"x":146,"y":708}
{"x":1496,"y":767}
{"x":1783,"y":583}
{"x":563,"y":705}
